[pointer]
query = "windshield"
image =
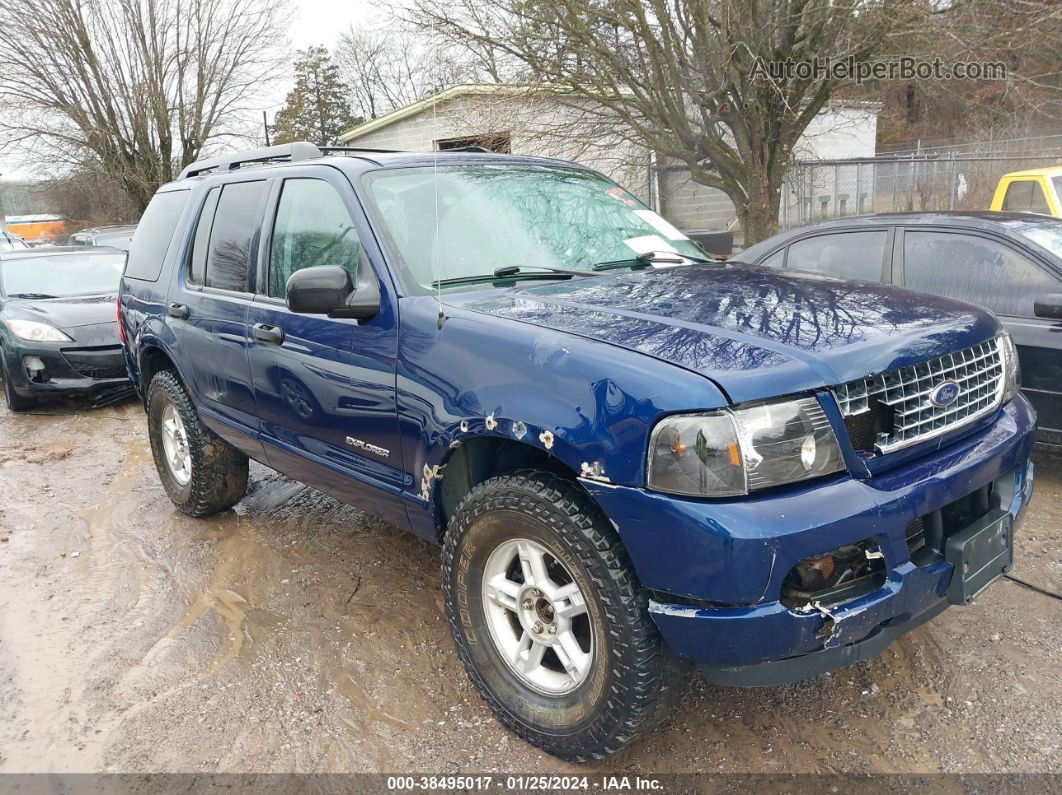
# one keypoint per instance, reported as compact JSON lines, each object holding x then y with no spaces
{"x":62,"y":275}
{"x":492,"y":217}
{"x":1047,"y":234}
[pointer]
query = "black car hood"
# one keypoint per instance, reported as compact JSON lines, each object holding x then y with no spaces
{"x":755,"y":331}
{"x":64,"y":313}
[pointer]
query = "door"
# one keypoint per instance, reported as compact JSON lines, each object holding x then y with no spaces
{"x":324,"y":387}
{"x":857,"y":254}
{"x":207,"y":310}
{"x":996,"y":275}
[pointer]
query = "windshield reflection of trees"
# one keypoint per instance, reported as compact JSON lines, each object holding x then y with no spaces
{"x":495,"y":217}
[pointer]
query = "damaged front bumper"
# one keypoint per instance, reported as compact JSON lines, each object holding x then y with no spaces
{"x":698,"y":549}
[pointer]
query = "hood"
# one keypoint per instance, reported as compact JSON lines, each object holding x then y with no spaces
{"x":756,"y":332}
{"x":65,"y":313}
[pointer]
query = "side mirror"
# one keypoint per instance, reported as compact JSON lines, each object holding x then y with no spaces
{"x":1049,"y":306}
{"x":328,"y":290}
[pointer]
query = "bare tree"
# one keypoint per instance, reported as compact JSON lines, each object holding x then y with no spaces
{"x":386,"y":69}
{"x":142,"y":85}
{"x":684,"y":78}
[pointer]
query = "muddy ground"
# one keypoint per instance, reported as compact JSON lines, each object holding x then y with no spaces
{"x":297,"y":634}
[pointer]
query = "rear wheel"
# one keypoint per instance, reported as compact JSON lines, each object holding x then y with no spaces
{"x":201,"y":472}
{"x":14,"y":401}
{"x":549,"y":620}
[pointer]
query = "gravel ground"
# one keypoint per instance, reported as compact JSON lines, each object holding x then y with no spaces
{"x":296,"y":634}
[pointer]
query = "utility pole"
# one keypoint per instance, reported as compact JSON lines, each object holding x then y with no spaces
{"x":3,"y":213}
{"x":265,"y":126}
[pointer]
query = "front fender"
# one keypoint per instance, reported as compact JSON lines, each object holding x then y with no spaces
{"x":588,"y":403}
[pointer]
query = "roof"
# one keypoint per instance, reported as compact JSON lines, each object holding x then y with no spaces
{"x":106,"y":230}
{"x":967,"y":219}
{"x":355,"y":161}
{"x":1050,"y":171}
{"x":469,"y":89}
{"x":508,"y":89}
{"x":44,"y":218}
{"x":51,"y":251}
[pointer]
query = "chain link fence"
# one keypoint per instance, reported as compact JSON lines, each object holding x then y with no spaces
{"x":815,"y":190}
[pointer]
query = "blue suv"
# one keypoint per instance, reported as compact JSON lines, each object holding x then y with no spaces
{"x":635,"y":459}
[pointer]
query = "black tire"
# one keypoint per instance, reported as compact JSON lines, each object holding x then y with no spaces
{"x":14,"y":401}
{"x":218,"y":470}
{"x":633,"y":681}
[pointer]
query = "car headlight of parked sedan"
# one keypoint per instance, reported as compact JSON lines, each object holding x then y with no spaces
{"x":734,"y":451}
{"x":32,"y":331}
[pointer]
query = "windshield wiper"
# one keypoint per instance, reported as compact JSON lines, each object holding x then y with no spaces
{"x":31,"y":295}
{"x":512,"y":272}
{"x":647,"y":258}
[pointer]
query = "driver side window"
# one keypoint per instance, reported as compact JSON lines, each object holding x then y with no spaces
{"x":312,"y":228}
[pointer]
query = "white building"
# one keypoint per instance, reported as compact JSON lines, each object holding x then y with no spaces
{"x":534,"y":122}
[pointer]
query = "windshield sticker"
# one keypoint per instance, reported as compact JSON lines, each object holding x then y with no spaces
{"x":622,"y":195}
{"x":647,"y":243}
{"x":660,"y":224}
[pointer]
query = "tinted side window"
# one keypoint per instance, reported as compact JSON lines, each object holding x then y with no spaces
{"x":847,"y":255}
{"x":201,"y":242}
{"x":974,"y":269}
{"x":153,"y":234}
{"x":231,"y":236}
{"x":312,"y":228}
{"x":1025,"y":196}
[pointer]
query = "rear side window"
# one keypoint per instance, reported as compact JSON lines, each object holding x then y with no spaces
{"x":313,"y":227}
{"x":153,"y":235}
{"x":201,"y":241}
{"x":1025,"y":196}
{"x":228,"y":242}
{"x":847,"y":255}
{"x":974,"y":269}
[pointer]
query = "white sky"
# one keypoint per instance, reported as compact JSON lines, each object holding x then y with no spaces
{"x":313,"y":22}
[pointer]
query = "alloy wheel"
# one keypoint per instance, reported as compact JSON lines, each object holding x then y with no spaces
{"x":175,"y":445}
{"x":537,"y":617}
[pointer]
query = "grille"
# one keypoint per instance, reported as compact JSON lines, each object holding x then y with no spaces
{"x":915,"y":533}
{"x":97,"y":362}
{"x":895,"y":408}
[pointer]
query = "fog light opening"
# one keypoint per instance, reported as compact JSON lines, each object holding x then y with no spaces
{"x":35,"y":369}
{"x":837,"y":576}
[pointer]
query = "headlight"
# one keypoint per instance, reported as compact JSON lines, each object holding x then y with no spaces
{"x":1011,"y":372}
{"x":36,"y":332}
{"x":735,"y":451}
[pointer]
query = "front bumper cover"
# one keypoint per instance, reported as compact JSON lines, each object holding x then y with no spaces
{"x":736,"y":554}
{"x":72,"y":368}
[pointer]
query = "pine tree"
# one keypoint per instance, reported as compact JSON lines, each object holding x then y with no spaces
{"x":317,"y":109}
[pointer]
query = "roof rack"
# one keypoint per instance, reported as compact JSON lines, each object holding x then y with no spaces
{"x":300,"y":150}
{"x":292,"y":152}
{"x":469,"y":148}
{"x":328,"y":149}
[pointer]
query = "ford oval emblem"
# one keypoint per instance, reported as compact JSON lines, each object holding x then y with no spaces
{"x":944,"y":394}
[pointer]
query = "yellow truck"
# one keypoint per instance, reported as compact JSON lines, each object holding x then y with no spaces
{"x":1038,"y":190}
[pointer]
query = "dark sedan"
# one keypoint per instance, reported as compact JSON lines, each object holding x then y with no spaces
{"x":1010,"y":263}
{"x":58,"y":324}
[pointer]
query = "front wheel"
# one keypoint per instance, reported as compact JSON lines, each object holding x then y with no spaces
{"x":201,"y":472}
{"x":14,"y":401}
{"x":549,"y":620}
